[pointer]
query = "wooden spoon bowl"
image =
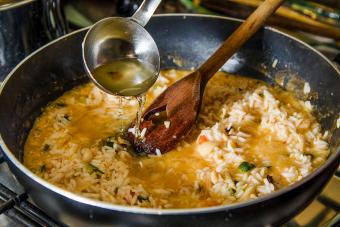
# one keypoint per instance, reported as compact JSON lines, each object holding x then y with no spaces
{"x":179,"y":105}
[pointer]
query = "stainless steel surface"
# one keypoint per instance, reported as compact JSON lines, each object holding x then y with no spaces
{"x":145,"y":11}
{"x":115,"y":38}
{"x":24,"y":27}
{"x":9,"y":180}
{"x":323,"y":209}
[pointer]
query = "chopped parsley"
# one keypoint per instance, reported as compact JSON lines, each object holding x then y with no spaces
{"x":232,"y":191}
{"x":246,"y":166}
{"x":109,"y":142}
{"x":82,"y":99}
{"x":93,"y":169}
{"x":142,"y":198}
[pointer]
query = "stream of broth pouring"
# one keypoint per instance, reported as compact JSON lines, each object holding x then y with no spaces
{"x":127,"y":77}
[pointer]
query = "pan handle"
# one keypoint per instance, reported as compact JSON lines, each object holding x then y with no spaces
{"x":145,"y":11}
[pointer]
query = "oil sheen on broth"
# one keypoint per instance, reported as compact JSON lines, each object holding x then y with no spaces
{"x":126,"y":76}
{"x":74,"y":145}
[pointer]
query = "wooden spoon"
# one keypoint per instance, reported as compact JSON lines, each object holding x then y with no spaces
{"x":180,"y":103}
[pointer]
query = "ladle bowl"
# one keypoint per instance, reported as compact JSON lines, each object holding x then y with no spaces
{"x":117,"y":38}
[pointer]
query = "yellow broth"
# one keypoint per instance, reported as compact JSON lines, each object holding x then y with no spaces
{"x":66,"y":146}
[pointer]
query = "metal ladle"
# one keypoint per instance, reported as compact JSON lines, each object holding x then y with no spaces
{"x":116,"y":38}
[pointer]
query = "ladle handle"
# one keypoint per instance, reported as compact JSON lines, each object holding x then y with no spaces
{"x":242,"y":34}
{"x":145,"y":11}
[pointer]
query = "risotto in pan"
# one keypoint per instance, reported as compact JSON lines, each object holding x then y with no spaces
{"x":251,"y":139}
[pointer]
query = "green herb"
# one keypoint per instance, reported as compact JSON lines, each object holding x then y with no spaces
{"x":82,"y":99}
{"x":246,"y":166}
{"x":190,"y":5}
{"x":109,"y":143}
{"x":231,"y":191}
{"x":142,"y":198}
{"x":93,"y":169}
{"x":46,"y":148}
{"x":42,"y":169}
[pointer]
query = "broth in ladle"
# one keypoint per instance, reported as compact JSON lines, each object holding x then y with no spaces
{"x":127,"y":77}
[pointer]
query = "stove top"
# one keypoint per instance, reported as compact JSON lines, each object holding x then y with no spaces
{"x":17,"y":210}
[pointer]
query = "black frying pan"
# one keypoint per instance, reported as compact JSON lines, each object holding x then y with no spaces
{"x":57,"y":67}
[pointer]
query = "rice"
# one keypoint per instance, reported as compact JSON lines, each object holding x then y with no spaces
{"x":167,"y":124}
{"x":158,"y":152}
{"x":275,"y":63}
{"x":142,"y":134}
{"x":250,"y":140}
{"x":306,"y":88}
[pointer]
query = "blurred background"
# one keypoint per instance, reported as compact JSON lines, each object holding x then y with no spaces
{"x":26,"y":25}
{"x":315,"y":22}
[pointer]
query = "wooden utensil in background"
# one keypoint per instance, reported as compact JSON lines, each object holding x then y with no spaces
{"x":284,"y":17}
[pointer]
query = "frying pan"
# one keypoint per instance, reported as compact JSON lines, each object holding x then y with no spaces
{"x":184,"y":42}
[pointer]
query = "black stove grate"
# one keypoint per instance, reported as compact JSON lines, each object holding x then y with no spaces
{"x":19,"y":210}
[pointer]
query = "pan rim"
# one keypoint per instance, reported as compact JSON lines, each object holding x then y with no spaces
{"x":335,"y":157}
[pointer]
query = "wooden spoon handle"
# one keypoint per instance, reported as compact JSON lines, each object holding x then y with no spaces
{"x":242,"y":34}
